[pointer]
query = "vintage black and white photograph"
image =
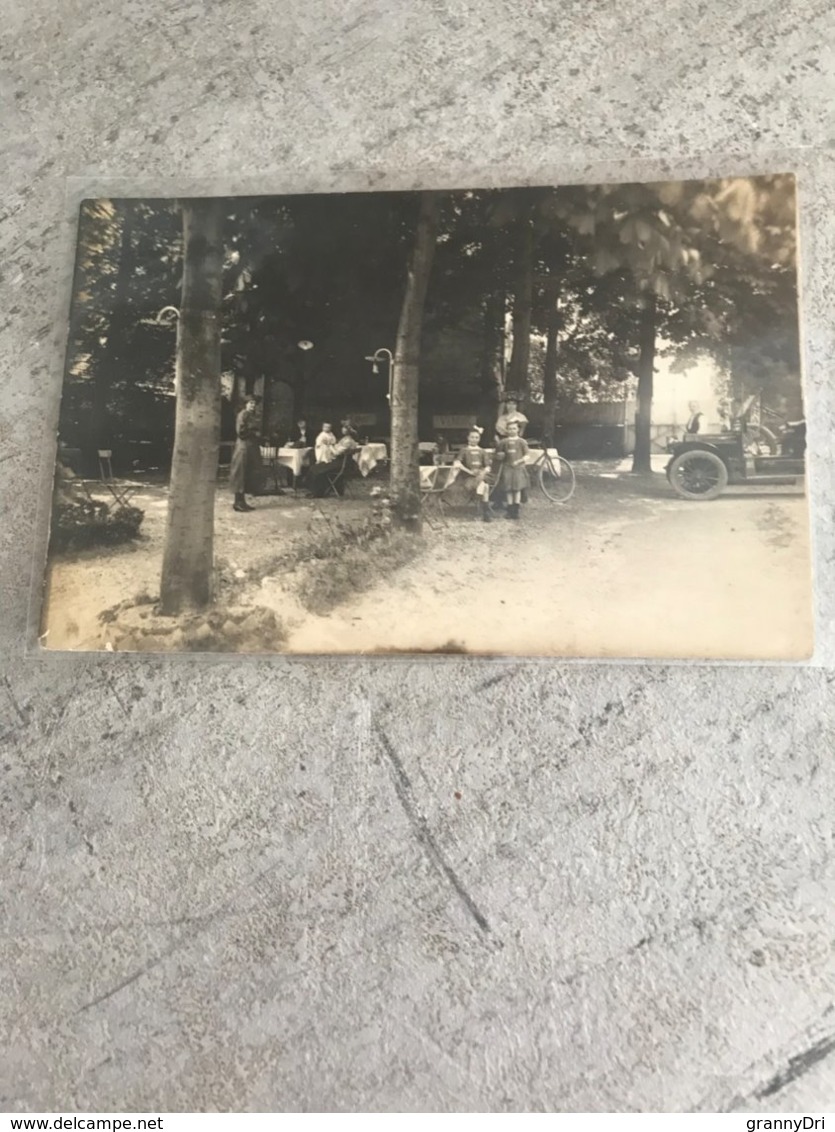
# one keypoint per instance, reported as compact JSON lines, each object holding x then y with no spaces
{"x":543,"y":421}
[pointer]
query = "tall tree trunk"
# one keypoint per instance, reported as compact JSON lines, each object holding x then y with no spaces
{"x":115,"y":345}
{"x":517,"y":372}
{"x":189,"y":538}
{"x":492,"y":354}
{"x":641,"y":461}
{"x":549,"y":377}
{"x":405,"y":477}
{"x":492,"y":341}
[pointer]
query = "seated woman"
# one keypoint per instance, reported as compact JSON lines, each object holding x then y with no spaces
{"x":475,"y":471}
{"x":320,"y":472}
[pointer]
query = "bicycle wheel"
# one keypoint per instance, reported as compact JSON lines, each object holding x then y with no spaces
{"x":556,"y":478}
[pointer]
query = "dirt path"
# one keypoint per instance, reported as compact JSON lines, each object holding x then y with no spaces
{"x":613,"y":574}
{"x":623,"y":570}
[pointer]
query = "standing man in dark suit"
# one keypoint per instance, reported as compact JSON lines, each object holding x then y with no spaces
{"x":246,"y":467}
{"x":300,"y":435}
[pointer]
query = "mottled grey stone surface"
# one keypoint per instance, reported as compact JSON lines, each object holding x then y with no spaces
{"x":249,"y":885}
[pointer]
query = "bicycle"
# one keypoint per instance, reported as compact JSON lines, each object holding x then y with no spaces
{"x":556,"y":476}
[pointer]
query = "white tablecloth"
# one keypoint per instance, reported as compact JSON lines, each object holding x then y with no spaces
{"x":535,"y":453}
{"x":533,"y":456}
{"x":429,"y":474}
{"x":369,"y":456}
{"x":432,"y":476}
{"x":292,"y":458}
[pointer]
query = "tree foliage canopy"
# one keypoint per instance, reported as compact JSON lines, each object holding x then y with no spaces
{"x":570,"y":266}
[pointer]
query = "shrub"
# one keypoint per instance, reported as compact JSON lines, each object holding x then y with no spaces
{"x":77,"y":524}
{"x":335,"y":560}
{"x":332,"y":538}
{"x":354,"y":569}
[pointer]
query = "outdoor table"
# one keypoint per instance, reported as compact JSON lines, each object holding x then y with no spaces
{"x":369,"y":456}
{"x":429,"y":472}
{"x":293,"y":459}
{"x":534,"y":455}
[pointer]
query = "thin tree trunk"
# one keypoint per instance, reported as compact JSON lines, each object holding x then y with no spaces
{"x":405,"y":477}
{"x":120,"y":317}
{"x":501,"y":373}
{"x":641,"y":461}
{"x":492,"y":341}
{"x":492,"y":355}
{"x":517,"y":373}
{"x":302,"y":385}
{"x":549,"y":378}
{"x":188,"y":559}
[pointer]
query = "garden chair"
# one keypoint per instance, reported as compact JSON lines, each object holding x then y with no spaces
{"x":339,"y":477}
{"x":434,"y":490}
{"x":273,"y":470}
{"x":121,"y":490}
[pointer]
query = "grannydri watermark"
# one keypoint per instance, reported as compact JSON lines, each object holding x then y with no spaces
{"x":791,"y":1123}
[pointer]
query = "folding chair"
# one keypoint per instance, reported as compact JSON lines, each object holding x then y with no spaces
{"x":332,"y":479}
{"x":120,"y":490}
{"x":433,"y":491}
{"x":272,"y":469}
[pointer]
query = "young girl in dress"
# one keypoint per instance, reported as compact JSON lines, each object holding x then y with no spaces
{"x":475,"y":464}
{"x":513,"y":479}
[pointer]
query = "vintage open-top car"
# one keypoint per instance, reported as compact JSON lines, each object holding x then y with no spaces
{"x":703,"y":465}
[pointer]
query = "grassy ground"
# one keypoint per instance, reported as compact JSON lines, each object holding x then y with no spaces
{"x":619,"y":570}
{"x":290,"y":555}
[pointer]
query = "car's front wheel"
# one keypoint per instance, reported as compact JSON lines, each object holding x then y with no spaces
{"x":698,"y":474}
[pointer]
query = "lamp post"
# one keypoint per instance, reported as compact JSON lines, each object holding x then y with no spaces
{"x":375,"y":365}
{"x":305,"y":346}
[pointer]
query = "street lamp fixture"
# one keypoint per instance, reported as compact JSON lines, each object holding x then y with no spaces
{"x":305,"y":345}
{"x":375,"y":365}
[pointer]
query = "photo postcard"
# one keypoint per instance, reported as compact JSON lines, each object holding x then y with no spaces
{"x":540,"y":421}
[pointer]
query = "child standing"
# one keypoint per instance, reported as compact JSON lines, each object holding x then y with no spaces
{"x":475,"y":463}
{"x":513,"y":478}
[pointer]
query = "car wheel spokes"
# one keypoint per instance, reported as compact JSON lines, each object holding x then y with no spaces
{"x":698,"y":476}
